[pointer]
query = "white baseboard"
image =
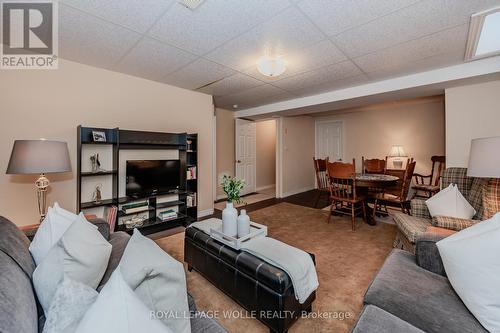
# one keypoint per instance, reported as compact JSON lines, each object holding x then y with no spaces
{"x":300,"y":190}
{"x":206,"y":212}
{"x":265,"y":187}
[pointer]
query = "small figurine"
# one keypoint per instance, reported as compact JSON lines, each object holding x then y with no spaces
{"x":97,"y":195}
{"x":96,"y":164}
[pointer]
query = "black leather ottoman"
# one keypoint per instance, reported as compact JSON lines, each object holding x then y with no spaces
{"x":262,"y":289}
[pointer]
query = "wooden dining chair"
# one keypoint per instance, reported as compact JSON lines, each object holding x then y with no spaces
{"x":343,"y":196}
{"x":382,"y":200}
{"x":321,"y":178}
{"x":429,"y":184}
{"x":373,"y":165}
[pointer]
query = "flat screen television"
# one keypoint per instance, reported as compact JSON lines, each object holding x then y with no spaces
{"x":151,"y":177}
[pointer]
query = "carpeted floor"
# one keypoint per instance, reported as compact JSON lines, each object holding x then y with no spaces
{"x":346,"y":263}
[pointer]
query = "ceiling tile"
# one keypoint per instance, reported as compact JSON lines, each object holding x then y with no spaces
{"x":446,"y":41}
{"x":421,"y":19}
{"x":231,"y":85}
{"x":250,"y":97}
{"x":460,"y":11}
{"x":136,"y":15}
{"x":89,"y":40}
{"x":427,"y":64}
{"x":153,"y":60}
{"x":312,"y":57}
{"x":213,"y":23}
{"x":325,"y":74}
{"x":332,"y":85}
{"x":198,"y":74}
{"x":335,"y":16}
{"x":285,"y":33}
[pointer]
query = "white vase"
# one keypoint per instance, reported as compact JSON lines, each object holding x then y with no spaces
{"x":243,"y":224}
{"x":229,"y":217}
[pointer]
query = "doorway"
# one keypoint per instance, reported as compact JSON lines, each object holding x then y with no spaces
{"x":255,"y":159}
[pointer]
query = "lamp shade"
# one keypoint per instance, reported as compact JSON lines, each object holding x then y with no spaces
{"x":39,"y":156}
{"x":484,"y":158}
{"x":397,"y":151}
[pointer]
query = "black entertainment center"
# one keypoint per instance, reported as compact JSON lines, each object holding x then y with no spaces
{"x":154,"y":188}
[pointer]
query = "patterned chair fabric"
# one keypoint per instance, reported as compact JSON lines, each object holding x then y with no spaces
{"x":453,"y":223}
{"x":491,"y":198}
{"x":410,"y":228}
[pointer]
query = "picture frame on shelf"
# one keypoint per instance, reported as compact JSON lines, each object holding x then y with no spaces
{"x":99,"y":136}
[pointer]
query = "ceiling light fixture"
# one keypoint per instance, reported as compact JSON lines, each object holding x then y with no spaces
{"x":271,"y":66}
{"x":483,"y":40}
{"x":191,"y":4}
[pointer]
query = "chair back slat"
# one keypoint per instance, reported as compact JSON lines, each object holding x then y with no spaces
{"x":400,"y":173}
{"x":408,"y":175}
{"x":373,"y":165}
{"x":342,"y":180}
{"x":441,"y":165}
{"x":321,"y":174}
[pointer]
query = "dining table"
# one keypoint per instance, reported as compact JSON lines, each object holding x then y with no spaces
{"x":366,"y":181}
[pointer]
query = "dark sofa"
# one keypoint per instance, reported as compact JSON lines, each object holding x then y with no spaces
{"x":19,"y":311}
{"x":412,"y":294}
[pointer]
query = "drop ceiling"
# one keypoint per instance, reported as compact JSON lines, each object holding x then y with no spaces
{"x":328,"y":44}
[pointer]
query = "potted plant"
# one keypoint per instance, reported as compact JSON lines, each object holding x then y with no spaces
{"x":231,"y":187}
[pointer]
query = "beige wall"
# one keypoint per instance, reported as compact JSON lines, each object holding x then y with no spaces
{"x":51,"y":103}
{"x":472,"y":111}
{"x":297,"y":135}
{"x":418,"y":125}
{"x":266,"y":153}
{"x":225,"y":146}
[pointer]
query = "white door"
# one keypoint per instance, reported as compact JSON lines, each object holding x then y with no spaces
{"x":329,"y":140}
{"x":245,"y":153}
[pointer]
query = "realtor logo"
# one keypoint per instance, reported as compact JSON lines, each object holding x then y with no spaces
{"x":29,"y":35}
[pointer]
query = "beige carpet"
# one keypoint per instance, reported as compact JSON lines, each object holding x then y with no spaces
{"x":346,"y":263}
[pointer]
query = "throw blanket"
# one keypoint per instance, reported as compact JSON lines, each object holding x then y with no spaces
{"x":206,"y":225}
{"x":297,"y":263}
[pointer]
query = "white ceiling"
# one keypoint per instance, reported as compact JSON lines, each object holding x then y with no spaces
{"x":328,"y":44}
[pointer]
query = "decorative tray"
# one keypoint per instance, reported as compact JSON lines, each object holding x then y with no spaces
{"x":256,"y":230}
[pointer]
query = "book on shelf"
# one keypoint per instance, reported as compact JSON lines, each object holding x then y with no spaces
{"x":110,"y":216}
{"x":135,"y":207}
{"x":191,"y":200}
{"x":191,"y":172}
{"x":167,"y":214}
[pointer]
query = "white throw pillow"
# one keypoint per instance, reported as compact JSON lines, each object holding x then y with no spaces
{"x":82,"y":254}
{"x":119,"y":310}
{"x":63,"y":212}
{"x":450,"y":202}
{"x":472,"y":265}
{"x":146,"y":268}
{"x":71,"y":300}
{"x":49,"y":232}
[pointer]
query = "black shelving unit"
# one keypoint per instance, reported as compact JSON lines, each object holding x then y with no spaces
{"x":120,"y":140}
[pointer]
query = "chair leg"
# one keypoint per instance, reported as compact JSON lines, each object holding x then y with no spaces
{"x":375,"y":209}
{"x":363,"y":205}
{"x":353,"y":218}
{"x":331,"y":211}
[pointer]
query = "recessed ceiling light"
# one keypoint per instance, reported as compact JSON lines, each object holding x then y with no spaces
{"x":235,"y":106}
{"x":191,"y":4}
{"x":271,"y":66}
{"x":484,"y":35}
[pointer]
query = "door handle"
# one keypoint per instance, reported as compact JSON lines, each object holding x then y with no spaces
{"x":238,"y":161}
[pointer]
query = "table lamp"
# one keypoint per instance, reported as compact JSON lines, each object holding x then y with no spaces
{"x":397,"y":152}
{"x":484,"y":158}
{"x":39,"y":157}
